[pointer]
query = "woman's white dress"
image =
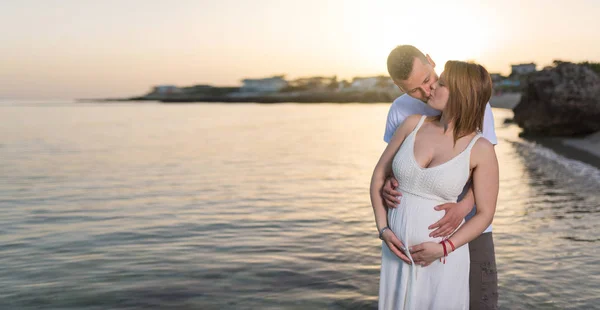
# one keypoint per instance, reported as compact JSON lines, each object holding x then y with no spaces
{"x":437,"y":286}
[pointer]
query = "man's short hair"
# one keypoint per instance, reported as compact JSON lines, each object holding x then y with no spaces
{"x":400,"y":61}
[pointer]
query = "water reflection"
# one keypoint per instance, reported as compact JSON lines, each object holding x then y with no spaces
{"x":251,"y":206}
{"x":545,"y":227}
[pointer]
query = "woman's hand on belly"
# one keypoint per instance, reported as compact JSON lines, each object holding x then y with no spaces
{"x":395,"y":245}
{"x":426,"y":253}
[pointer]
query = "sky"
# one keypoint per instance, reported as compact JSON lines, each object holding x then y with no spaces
{"x":55,"y":49}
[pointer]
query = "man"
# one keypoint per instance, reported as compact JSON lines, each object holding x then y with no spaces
{"x":413,"y":72}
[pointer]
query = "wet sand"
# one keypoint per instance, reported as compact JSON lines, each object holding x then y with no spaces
{"x":579,"y":149}
{"x":505,"y":101}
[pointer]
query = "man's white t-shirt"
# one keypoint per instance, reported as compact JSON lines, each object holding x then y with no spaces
{"x":405,"y":106}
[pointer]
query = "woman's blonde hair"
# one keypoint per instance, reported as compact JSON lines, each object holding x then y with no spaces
{"x":470,"y":89}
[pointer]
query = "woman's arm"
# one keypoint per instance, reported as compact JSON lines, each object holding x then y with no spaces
{"x":485,"y":188}
{"x":382,"y":169}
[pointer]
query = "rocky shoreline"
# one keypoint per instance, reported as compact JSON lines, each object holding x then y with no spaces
{"x":586,"y":149}
{"x":505,"y":100}
{"x":294,"y":97}
{"x":560,"y":109}
{"x":300,"y":97}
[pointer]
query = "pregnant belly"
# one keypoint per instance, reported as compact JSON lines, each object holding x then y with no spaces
{"x":409,"y":221}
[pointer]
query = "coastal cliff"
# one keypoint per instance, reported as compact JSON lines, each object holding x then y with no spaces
{"x":560,"y":101}
{"x":560,"y":109}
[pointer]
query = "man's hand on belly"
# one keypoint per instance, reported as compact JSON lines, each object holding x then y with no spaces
{"x":455,"y":213}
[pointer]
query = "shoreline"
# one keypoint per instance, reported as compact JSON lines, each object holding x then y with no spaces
{"x":303,"y":97}
{"x":585,"y":149}
{"x":505,"y":100}
{"x":586,"y":152}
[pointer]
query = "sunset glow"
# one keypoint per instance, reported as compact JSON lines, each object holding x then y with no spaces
{"x":68,"y":49}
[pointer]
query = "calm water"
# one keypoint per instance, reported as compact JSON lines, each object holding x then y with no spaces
{"x":126,"y":206}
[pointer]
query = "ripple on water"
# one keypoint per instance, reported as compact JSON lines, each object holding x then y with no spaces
{"x":267,"y":208}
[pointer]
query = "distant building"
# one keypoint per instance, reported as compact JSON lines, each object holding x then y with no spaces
{"x":266,"y":85}
{"x":317,"y":83}
{"x":376,"y":83}
{"x":197,"y":89}
{"x":343,"y":85}
{"x":508,"y":83}
{"x":364,"y":83}
{"x":522,"y":69}
{"x":166,"y":90}
{"x":496,"y":77}
{"x":208,"y":90}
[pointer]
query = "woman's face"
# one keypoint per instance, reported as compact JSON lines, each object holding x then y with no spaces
{"x":439,"y":94}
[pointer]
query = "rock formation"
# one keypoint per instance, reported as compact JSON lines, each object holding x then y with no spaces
{"x":560,"y":101}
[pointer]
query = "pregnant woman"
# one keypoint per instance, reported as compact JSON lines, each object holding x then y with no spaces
{"x":433,"y":158}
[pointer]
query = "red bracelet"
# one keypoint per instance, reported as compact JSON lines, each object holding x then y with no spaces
{"x":451,"y":244}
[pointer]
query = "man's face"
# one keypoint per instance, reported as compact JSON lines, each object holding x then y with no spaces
{"x":418,"y":84}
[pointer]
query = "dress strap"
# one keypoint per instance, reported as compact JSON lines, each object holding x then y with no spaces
{"x":472,"y":143}
{"x":421,"y":121}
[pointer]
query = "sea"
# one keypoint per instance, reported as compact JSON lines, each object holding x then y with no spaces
{"x":142,"y":205}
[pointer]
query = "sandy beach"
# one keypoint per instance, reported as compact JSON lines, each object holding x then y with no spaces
{"x":585,"y":149}
{"x":505,"y":101}
{"x":589,"y":144}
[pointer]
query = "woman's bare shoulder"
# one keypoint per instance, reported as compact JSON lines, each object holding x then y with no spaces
{"x":483,"y":150}
{"x":411,"y":122}
{"x":407,"y":126}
